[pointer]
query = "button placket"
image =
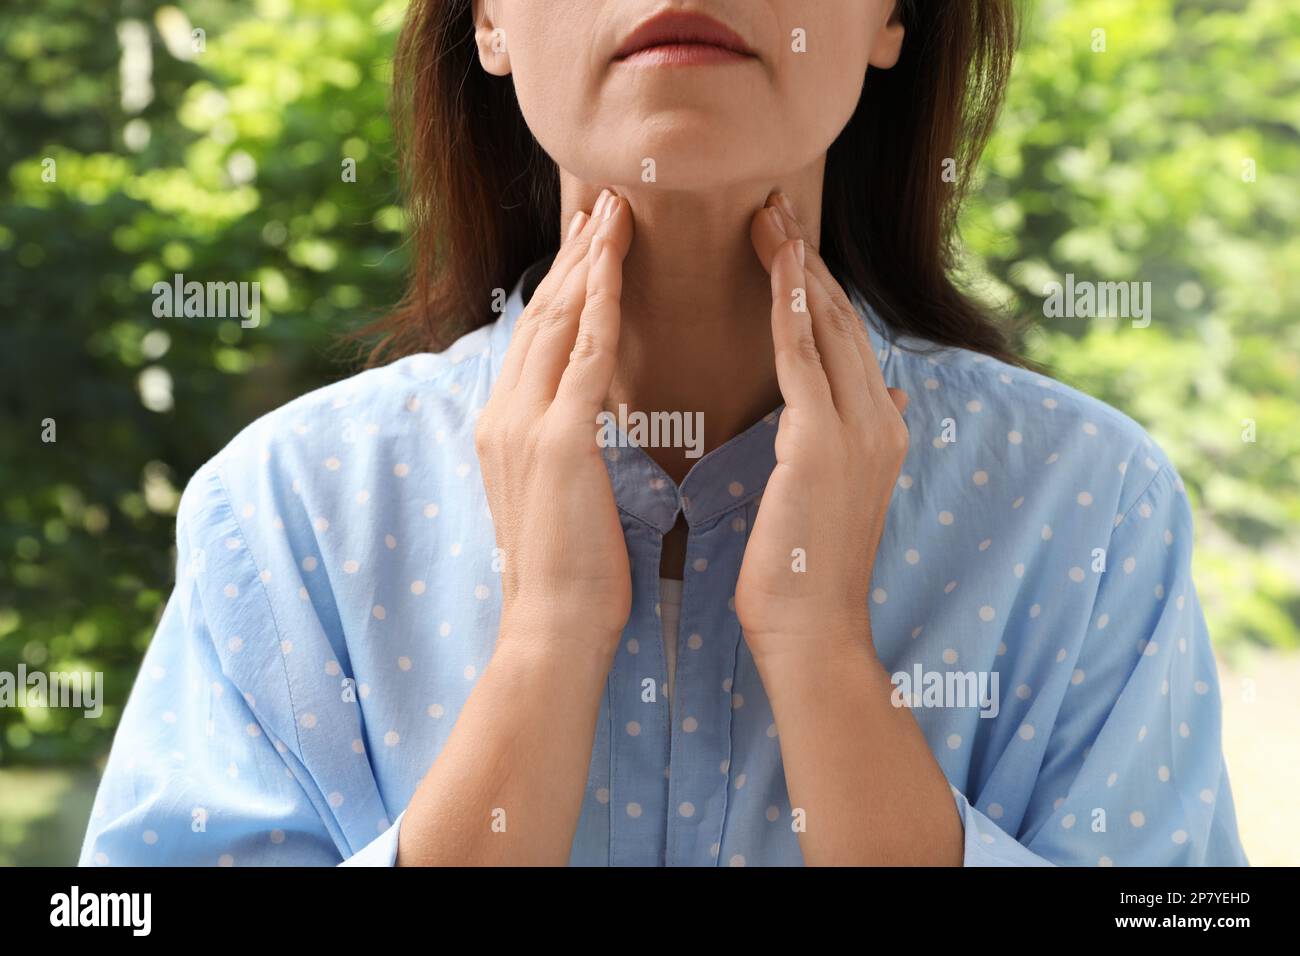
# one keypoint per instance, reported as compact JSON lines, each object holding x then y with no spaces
{"x":638,"y":728}
{"x":700,"y":737}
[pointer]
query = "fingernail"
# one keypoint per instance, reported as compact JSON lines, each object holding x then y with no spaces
{"x":786,"y":206}
{"x":775,"y":215}
{"x":798,"y":250}
{"x":611,"y":206}
{"x":575,"y":225}
{"x":600,"y":202}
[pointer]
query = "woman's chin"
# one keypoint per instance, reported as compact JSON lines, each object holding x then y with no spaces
{"x":675,"y":157}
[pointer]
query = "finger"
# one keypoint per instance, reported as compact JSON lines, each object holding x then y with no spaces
{"x":573,"y":250}
{"x":554,"y":340}
{"x":853,"y":320}
{"x":577,"y":239}
{"x":767,"y":232}
{"x":856,"y":322}
{"x":799,"y":370}
{"x":834,"y":333}
{"x":838,"y":346}
{"x":586,"y":379}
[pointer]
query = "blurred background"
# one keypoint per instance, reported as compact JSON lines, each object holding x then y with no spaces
{"x":1154,"y":141}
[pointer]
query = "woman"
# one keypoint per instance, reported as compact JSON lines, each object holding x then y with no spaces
{"x":914,"y":605}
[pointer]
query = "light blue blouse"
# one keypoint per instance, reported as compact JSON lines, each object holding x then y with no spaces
{"x":336,"y":600}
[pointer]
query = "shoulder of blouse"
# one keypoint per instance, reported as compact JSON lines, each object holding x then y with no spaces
{"x":1024,"y":420}
{"x":367,"y":404}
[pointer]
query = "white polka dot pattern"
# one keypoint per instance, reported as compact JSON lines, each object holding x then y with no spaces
{"x":337,"y":600}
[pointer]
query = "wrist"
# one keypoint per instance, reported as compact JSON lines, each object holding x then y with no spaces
{"x":537,"y":638}
{"x":587,"y":611}
{"x":827,"y":642}
{"x":799,"y":681}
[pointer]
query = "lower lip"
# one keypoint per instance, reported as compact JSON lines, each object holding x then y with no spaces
{"x":684,"y":54}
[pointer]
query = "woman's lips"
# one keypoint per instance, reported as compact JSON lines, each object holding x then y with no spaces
{"x":682,"y":39}
{"x":684,"y":54}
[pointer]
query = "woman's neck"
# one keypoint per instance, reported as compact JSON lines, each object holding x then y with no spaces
{"x":696,"y":307}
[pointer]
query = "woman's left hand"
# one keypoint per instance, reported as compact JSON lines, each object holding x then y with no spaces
{"x":804,"y":582}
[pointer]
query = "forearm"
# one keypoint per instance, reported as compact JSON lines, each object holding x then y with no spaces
{"x":859,"y":767}
{"x":507,"y":788}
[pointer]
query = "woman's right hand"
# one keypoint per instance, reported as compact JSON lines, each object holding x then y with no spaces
{"x":521,"y":746}
{"x":563,"y":558}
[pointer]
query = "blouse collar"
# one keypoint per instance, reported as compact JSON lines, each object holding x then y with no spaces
{"x":726,"y":478}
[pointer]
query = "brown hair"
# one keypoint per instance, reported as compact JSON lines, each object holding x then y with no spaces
{"x":484,"y":198}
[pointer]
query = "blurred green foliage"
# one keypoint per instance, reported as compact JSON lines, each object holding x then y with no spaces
{"x":1166,"y":149}
{"x":221,"y":156}
{"x":224,"y":164}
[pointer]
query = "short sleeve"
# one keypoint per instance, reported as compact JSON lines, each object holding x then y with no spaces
{"x":197,"y":774}
{"x":193,"y":779}
{"x":1132,"y":772}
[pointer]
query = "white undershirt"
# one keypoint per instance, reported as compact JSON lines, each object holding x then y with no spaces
{"x":670,"y":610}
